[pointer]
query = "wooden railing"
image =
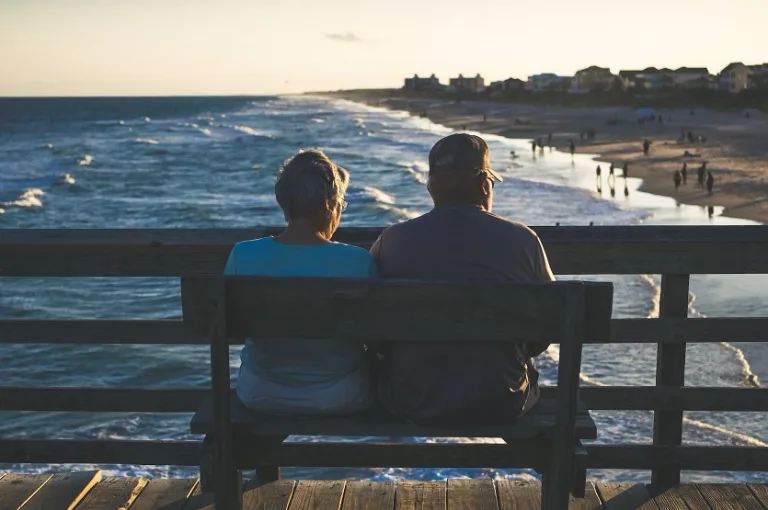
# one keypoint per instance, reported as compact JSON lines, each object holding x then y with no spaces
{"x":673,"y":252}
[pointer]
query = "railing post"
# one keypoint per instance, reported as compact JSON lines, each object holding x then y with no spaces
{"x":670,"y":371}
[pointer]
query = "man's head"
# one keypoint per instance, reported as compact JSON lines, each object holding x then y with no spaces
{"x":460,"y":172}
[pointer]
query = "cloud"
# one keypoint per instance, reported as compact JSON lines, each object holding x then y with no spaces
{"x":348,"y":37}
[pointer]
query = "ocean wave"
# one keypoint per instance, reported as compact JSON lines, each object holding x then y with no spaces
{"x":66,"y":179}
{"x":85,"y":160}
{"x":149,"y":141}
{"x":146,"y":119}
{"x":48,"y":146}
{"x":247,"y":130}
{"x":417,"y":169}
{"x":29,"y":198}
{"x":369,"y":194}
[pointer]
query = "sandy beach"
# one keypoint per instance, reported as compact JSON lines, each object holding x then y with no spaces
{"x":736,"y":146}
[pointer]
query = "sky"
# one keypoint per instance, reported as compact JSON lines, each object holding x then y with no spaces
{"x":207,"y":47}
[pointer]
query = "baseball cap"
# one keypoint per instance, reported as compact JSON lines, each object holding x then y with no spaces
{"x":461,"y":152}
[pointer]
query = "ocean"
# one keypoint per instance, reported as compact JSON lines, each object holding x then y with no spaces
{"x":211,"y":163}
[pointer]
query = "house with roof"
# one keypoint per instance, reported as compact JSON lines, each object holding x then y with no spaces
{"x":734,"y":77}
{"x":691,"y":77}
{"x":462,"y":84}
{"x":592,"y":78}
{"x":758,"y":77}
{"x":417,"y":83}
{"x":547,"y":81}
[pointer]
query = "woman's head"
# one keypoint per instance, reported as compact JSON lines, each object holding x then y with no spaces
{"x":310,"y":189}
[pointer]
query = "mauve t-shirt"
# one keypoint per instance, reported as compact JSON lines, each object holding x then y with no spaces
{"x":479,"y":384}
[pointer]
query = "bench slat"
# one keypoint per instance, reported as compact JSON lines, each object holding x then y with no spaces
{"x":379,"y":423}
{"x":375,"y":310}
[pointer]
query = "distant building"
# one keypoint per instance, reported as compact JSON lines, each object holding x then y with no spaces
{"x":593,"y":78}
{"x":692,"y":77}
{"x":416,"y":83}
{"x":547,"y":81}
{"x":629,"y":79}
{"x":462,"y":84}
{"x":758,"y":77}
{"x":734,"y":77}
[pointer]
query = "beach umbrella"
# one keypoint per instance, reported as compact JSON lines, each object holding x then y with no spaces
{"x":645,"y":111}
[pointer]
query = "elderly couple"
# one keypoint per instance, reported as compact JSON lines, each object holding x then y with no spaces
{"x":458,"y":240}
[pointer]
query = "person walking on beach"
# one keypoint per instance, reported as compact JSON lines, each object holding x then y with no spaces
{"x":572,"y":147}
{"x":625,"y":170}
{"x":460,"y":239}
{"x":646,"y":146}
{"x":702,"y":171}
{"x":685,"y":173}
{"x":710,"y":183}
{"x":678,"y":179}
{"x":533,"y":146}
{"x":549,"y":139}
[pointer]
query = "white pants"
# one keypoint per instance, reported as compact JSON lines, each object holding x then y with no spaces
{"x":348,"y":395}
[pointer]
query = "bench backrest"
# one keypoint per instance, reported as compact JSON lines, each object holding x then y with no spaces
{"x":391,"y":310}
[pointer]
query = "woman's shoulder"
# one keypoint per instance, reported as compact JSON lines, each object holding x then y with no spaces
{"x":349,"y":250}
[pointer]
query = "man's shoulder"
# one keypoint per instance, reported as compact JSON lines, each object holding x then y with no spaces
{"x":505,"y":224}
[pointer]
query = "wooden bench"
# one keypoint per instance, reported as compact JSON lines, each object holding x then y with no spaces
{"x":547,"y":439}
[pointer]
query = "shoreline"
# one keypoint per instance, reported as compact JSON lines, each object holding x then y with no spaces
{"x":736,"y":147}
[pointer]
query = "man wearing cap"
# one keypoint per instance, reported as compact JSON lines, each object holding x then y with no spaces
{"x":460,"y":239}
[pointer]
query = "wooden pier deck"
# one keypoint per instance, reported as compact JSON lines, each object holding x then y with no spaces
{"x":89,"y":490}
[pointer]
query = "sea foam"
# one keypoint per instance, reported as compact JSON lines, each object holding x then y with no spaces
{"x":85,"y":160}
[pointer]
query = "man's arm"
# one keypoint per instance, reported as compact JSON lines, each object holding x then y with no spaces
{"x":542,"y":272}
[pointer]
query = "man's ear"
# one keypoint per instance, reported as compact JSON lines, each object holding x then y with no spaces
{"x":486,"y":187}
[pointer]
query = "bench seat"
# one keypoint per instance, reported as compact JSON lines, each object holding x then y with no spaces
{"x":377,"y":422}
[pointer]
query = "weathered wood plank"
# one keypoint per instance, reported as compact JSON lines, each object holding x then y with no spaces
{"x":163,"y":400}
{"x":17,"y":488}
{"x":760,"y":491}
{"x":199,"y":500}
{"x":70,"y":451}
{"x":377,"y":422}
{"x":99,"y":331}
{"x":317,"y":495}
{"x":680,"y":497}
{"x":590,"y":501}
{"x":63,"y":491}
{"x":722,"y":496}
{"x":368,"y":495}
{"x":518,"y":495}
{"x":165,"y":494}
{"x":362,"y":309}
{"x":272,"y":496}
{"x":420,"y":495}
{"x":471,"y":494}
{"x":102,"y":331}
{"x":625,"y":496}
{"x":670,"y":371}
{"x":113,"y":493}
{"x":571,"y":250}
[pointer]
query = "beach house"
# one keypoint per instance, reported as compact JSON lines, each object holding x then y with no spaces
{"x":592,"y":78}
{"x":462,"y":84}
{"x":734,"y":77}
{"x":691,"y":77}
{"x":416,"y":83}
{"x":546,"y":81}
{"x":758,"y":77}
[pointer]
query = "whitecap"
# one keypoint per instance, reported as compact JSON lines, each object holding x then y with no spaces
{"x":28,"y":198}
{"x":121,"y":122}
{"x":146,"y":119}
{"x":85,"y":160}
{"x":248,"y":130}
{"x":147,"y":140}
{"x":2,"y":211}
{"x":205,"y":131}
{"x":369,"y":194}
{"x":319,"y":121}
{"x":48,"y":146}
{"x":66,"y":179}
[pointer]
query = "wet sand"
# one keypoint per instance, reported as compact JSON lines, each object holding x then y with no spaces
{"x":736,"y":146}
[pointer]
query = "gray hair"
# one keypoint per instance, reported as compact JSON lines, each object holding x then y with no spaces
{"x":308,"y":182}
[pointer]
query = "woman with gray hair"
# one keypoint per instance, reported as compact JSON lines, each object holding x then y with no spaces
{"x":302,"y":377}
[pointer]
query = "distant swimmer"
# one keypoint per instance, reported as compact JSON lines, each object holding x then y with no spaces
{"x":512,"y":155}
{"x":677,"y":179}
{"x":610,"y":170}
{"x":710,"y":183}
{"x":598,"y":171}
{"x":684,"y":173}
